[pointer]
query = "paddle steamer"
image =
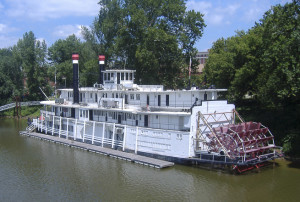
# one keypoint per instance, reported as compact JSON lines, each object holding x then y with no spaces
{"x":185,"y":126}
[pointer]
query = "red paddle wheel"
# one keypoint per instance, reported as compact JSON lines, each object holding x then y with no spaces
{"x":247,"y":144}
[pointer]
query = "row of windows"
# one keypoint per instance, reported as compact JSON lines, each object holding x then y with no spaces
{"x":114,"y":115}
{"x":120,"y":76}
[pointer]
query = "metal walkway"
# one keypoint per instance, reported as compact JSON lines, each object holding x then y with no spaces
{"x":12,"y":105}
{"x":143,"y":160}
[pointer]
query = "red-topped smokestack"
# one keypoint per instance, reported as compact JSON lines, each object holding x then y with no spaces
{"x":101,"y":68}
{"x":75,"y":59}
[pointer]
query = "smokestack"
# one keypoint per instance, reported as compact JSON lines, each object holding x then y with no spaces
{"x":101,"y":68}
{"x":75,"y":58}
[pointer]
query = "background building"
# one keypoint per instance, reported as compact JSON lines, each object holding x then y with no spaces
{"x":202,"y":57}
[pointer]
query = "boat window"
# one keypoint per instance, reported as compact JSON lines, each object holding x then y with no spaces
{"x":112,"y":76}
{"x":113,"y":95}
{"x":122,"y":76}
{"x":132,"y":96}
{"x":126,"y":76}
{"x":91,"y":95}
{"x":130,"y":76}
{"x":105,"y":76}
{"x":137,"y":96}
{"x":108,"y":76}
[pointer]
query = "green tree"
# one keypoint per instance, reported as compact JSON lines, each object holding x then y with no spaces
{"x":32,"y":54}
{"x":154,"y":37}
{"x":60,"y":57}
{"x":263,"y":61}
{"x":11,"y":76}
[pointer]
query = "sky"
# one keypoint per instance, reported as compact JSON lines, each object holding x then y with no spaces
{"x":51,"y":20}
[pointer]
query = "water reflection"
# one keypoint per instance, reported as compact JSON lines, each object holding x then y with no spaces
{"x":32,"y":169}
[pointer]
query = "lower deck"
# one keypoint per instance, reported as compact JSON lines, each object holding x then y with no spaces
{"x":102,"y":150}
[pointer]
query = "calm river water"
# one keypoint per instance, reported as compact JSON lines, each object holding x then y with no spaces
{"x":35,"y":170}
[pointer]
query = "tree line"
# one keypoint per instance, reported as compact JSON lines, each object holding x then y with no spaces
{"x":154,"y":37}
{"x":262,"y":63}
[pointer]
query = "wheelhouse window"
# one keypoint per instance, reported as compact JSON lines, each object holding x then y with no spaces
{"x":137,"y":96}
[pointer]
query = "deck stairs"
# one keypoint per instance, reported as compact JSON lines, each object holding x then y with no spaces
{"x":31,"y":127}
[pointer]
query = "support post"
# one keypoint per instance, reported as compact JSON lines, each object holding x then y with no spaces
{"x":103,"y":131}
{"x":46,"y":126}
{"x":59,"y":133}
{"x":67,"y":136}
{"x":93,"y":136}
{"x":53,"y":125}
{"x":136,"y":140}
{"x":113,"y":136}
{"x":83,"y":131}
{"x":75,"y":130}
{"x":124,"y":138}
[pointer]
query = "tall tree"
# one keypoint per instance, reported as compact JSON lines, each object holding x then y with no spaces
{"x":263,"y":61}
{"x":60,"y":57}
{"x":11,"y":75}
{"x":154,"y":37}
{"x":33,"y":57}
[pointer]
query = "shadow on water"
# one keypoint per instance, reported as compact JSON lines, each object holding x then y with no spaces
{"x":294,"y":164}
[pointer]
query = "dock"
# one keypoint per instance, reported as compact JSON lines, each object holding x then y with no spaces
{"x":131,"y":157}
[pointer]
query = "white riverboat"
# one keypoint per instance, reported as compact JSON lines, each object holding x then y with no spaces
{"x":185,"y":126}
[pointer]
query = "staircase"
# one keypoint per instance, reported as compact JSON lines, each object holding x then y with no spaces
{"x":31,"y":127}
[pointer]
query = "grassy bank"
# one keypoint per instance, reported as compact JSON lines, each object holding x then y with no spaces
{"x":283,"y":122}
{"x":26,"y":111}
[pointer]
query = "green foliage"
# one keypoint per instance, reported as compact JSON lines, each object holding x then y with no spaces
{"x":263,"y":62}
{"x":11,"y":83}
{"x":154,"y":37}
{"x":31,"y":111}
{"x":32,"y":54}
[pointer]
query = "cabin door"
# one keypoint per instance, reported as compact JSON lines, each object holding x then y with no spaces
{"x":119,"y":118}
{"x":158,"y":100}
{"x":148,"y":99}
{"x":146,"y":120}
{"x":167,"y":100}
{"x":91,"y":115}
{"x":118,"y":78}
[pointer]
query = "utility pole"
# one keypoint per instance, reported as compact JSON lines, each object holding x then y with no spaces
{"x":55,"y":82}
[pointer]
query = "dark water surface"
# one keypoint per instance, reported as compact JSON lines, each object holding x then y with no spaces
{"x":35,"y":170}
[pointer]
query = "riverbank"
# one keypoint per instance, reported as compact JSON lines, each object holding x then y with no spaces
{"x":26,"y":112}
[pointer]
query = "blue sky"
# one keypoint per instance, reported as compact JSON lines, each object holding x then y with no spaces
{"x":56,"y":19}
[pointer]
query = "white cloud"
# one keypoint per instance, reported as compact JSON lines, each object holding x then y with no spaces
{"x":202,"y":6}
{"x":67,"y":30}
{"x":231,"y":9}
{"x":214,"y":13}
{"x":216,"y":19}
{"x":253,"y":14}
{"x":2,"y":28}
{"x":42,"y":9}
{"x":7,"y":41}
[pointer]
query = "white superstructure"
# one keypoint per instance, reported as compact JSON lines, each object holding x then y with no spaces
{"x":149,"y":120}
{"x":145,"y":118}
